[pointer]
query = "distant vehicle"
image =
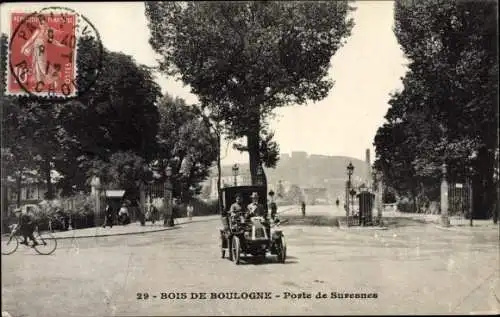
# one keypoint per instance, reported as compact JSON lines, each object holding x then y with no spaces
{"x":254,"y":236}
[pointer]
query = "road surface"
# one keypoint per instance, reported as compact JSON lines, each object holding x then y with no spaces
{"x":415,"y":269}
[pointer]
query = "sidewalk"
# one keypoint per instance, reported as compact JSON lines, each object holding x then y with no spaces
{"x":132,"y":228}
{"x":456,"y":224}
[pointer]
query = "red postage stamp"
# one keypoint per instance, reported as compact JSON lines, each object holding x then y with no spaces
{"x":42,"y":54}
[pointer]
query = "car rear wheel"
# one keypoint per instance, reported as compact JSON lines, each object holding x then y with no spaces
{"x":281,"y":250}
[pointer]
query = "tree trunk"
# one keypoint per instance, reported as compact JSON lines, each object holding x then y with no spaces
{"x":253,"y":154}
{"x":50,"y":190}
{"x":219,"y":171}
{"x":484,"y":189}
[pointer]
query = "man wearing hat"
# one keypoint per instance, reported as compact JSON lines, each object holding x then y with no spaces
{"x":255,"y":208}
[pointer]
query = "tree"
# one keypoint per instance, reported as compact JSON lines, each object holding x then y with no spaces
{"x":452,"y":47}
{"x":186,"y":144}
{"x":249,"y":58}
{"x":117,"y":114}
{"x":124,"y":170}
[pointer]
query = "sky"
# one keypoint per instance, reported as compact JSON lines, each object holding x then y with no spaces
{"x":365,"y":70}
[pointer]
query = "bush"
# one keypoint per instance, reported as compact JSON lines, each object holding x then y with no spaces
{"x":80,"y":210}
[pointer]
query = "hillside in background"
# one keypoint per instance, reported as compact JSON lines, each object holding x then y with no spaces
{"x":308,"y":171}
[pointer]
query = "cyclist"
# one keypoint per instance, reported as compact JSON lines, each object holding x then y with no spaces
{"x":26,"y":226}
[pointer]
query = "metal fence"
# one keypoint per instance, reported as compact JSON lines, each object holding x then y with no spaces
{"x":460,"y":203}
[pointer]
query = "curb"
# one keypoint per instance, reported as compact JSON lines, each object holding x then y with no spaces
{"x":149,"y":231}
{"x":131,"y":233}
{"x":116,"y":234}
{"x":367,"y":228}
{"x":455,"y":229}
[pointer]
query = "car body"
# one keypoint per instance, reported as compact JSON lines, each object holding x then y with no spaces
{"x":255,"y":235}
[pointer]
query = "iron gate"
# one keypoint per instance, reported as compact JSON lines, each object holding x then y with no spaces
{"x":156,"y":194}
{"x":460,"y":203}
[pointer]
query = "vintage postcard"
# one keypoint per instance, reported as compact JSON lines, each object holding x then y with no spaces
{"x":257,"y":158}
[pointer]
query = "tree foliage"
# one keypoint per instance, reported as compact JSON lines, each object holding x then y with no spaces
{"x":246,"y":59}
{"x":447,"y":111}
{"x":118,"y":113}
{"x":186,"y":144}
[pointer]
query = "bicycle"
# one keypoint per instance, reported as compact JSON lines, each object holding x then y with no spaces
{"x":47,"y":243}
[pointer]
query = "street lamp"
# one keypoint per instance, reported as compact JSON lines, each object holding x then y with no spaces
{"x":469,"y":176}
{"x":350,"y":170}
{"x":236,"y":169}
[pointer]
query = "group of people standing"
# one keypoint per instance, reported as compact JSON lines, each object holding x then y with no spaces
{"x":123,"y":216}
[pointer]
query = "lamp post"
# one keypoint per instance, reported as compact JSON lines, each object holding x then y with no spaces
{"x":168,"y":221}
{"x":236,"y":169}
{"x":352,"y":192}
{"x":350,"y":170}
{"x":469,"y":176}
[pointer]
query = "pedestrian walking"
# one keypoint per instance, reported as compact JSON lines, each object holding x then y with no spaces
{"x":108,"y":217}
{"x":274,"y":209}
{"x":303,"y":207}
{"x":155,"y":214}
{"x":190,"y":210}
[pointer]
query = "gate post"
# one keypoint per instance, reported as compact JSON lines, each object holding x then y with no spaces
{"x":142,"y":202}
{"x":469,"y":193}
{"x":380,"y":197}
{"x":445,"y":221}
{"x":96,"y":193}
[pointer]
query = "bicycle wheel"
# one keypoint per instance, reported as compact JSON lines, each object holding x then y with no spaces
{"x":47,"y":243}
{"x":10,"y":243}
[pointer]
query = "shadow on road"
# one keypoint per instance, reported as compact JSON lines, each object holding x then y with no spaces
{"x":323,"y":221}
{"x":270,"y":259}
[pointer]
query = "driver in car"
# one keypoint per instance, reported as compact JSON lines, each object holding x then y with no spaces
{"x":255,"y":208}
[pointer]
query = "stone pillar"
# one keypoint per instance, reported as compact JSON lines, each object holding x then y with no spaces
{"x":168,"y":221}
{"x":96,"y":195}
{"x":380,"y":196}
{"x":142,"y":202}
{"x":445,"y":221}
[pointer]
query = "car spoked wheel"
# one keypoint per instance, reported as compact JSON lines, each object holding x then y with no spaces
{"x":10,"y":243}
{"x":283,"y":245}
{"x":236,"y":250}
{"x":281,"y":250}
{"x":230,"y":249}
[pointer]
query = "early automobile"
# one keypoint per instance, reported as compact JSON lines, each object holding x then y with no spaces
{"x":254,"y":235}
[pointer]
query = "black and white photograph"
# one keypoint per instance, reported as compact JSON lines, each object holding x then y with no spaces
{"x":249,"y":158}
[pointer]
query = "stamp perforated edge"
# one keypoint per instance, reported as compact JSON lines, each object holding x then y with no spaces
{"x":44,"y":95}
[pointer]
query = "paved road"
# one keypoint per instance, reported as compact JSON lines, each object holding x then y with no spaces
{"x":413,"y":270}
